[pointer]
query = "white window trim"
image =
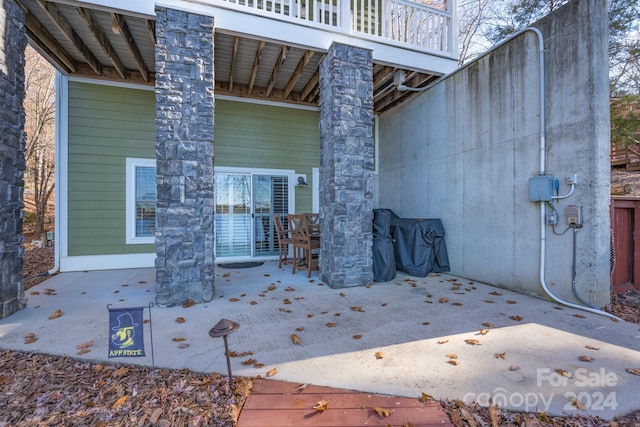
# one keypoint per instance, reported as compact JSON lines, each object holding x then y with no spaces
{"x":131,"y":238}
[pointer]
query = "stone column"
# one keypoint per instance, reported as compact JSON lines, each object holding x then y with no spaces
{"x":346,"y":166}
{"x":12,"y":44}
{"x":184,"y":155}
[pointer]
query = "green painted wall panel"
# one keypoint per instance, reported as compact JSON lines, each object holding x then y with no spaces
{"x":108,"y":124}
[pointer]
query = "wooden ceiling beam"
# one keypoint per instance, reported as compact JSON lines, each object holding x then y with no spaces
{"x":234,"y":58}
{"x":277,"y":68}
{"x":308,"y":88}
{"x":256,"y":64}
{"x":101,"y":38}
{"x":63,"y":25}
{"x":382,"y":76}
{"x":119,"y":23}
{"x":298,"y":72}
{"x":41,"y":36}
{"x":151,"y":29}
{"x":111,"y":74}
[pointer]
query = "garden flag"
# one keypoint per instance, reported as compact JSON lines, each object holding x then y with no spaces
{"x":126,"y":334}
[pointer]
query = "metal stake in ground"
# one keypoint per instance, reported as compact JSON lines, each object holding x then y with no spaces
{"x":221,"y":329}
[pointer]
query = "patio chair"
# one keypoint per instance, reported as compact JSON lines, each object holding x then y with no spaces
{"x":306,"y":240}
{"x":284,"y":240}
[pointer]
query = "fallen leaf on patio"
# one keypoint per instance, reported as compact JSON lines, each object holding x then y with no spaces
{"x":188,"y":303}
{"x":379,"y":355}
{"x":179,"y":319}
{"x":557,"y":307}
{"x":613,"y":319}
{"x":457,"y":304}
{"x":357,"y":308}
{"x":178,"y":339}
{"x":443,"y":300}
{"x":282,"y":309}
{"x":510,"y":301}
{"x":383,"y":304}
{"x":120,"y":401}
{"x":311,"y":280}
{"x":452,"y":356}
{"x":183,"y":345}
{"x":289,"y":289}
{"x":309,"y":316}
{"x":243,"y":295}
{"x":331,"y":325}
{"x":323,"y":312}
{"x":580,"y":316}
{"x":248,"y":362}
{"x":495,"y":293}
{"x":342,"y":294}
{"x":575,"y":402}
{"x":357,"y":337}
{"x":455,"y":286}
{"x":48,"y":291}
{"x":226,"y":275}
{"x":286,"y":301}
{"x":563,"y":373}
{"x":298,"y":298}
{"x":501,"y":355}
{"x":253,"y":302}
{"x":116,"y":291}
{"x":295,"y":339}
{"x":337,"y":315}
{"x":85,"y":345}
{"x":453,"y":362}
{"x":262,"y":295}
{"x":383,"y":412}
{"x":56,"y":314}
{"x":272,"y":372}
{"x":145,"y":321}
{"x":483,"y":332}
{"x":488,"y":325}
{"x":472,"y":342}
{"x":35,"y":293}
{"x":321,"y":406}
{"x":514,"y":368}
{"x":120,"y":372}
{"x":490,"y":301}
{"x":443,"y":341}
{"x":516,"y":317}
{"x":266,"y":275}
{"x":272,"y":288}
{"x":591,"y":347}
{"x":83,"y":351}
{"x":367,"y":285}
{"x":428,"y":302}
{"x":426,"y":398}
{"x":233,"y":300}
{"x":300,"y":328}
{"x":30,"y":338}
{"x":258,"y":365}
{"x":634,"y":371}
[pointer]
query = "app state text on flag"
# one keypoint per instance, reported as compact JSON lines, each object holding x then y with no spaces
{"x":126,"y":333}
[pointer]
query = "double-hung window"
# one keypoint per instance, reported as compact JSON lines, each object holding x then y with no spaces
{"x":141,"y":201}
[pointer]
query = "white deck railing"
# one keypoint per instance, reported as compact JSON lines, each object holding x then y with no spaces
{"x":401,"y":21}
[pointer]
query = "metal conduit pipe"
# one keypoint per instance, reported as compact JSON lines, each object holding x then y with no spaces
{"x":543,"y":154}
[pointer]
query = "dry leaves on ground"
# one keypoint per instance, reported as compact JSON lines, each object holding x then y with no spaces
{"x":51,"y":390}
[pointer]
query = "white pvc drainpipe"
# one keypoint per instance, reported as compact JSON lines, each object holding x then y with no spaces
{"x":543,"y":156}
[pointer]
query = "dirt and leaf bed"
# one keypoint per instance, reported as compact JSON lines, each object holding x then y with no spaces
{"x":44,"y":390}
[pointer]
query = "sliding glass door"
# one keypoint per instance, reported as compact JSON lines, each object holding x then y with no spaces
{"x":245,"y":205}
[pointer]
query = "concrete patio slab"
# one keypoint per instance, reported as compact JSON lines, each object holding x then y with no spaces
{"x":394,"y":338}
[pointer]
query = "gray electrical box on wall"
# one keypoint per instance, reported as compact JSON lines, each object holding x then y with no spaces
{"x":574,"y":215}
{"x":541,"y":188}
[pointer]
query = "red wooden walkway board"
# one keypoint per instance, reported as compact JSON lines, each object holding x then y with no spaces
{"x":279,"y":404}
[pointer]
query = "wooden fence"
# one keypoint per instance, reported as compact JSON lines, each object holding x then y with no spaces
{"x":625,"y":223}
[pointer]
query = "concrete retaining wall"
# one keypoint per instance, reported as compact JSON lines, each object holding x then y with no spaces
{"x":464,"y":152}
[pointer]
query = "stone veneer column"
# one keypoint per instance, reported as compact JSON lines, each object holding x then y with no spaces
{"x":12,"y":44}
{"x":184,"y":155}
{"x":346,"y":166}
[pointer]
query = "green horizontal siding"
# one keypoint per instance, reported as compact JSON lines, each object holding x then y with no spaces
{"x":108,"y":124}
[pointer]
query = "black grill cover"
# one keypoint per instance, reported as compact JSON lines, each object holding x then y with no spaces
{"x":384,"y":263}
